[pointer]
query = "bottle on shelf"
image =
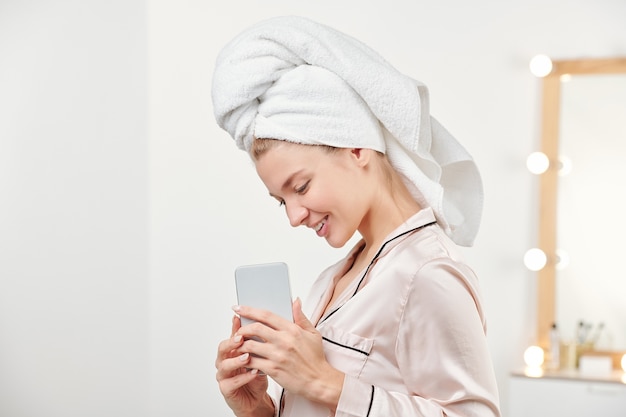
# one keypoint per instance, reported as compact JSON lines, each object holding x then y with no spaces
{"x":555,"y":348}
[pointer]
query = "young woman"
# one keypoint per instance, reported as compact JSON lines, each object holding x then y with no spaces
{"x":347,"y":145}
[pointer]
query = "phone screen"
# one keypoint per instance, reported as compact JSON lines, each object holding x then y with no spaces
{"x":264,"y":286}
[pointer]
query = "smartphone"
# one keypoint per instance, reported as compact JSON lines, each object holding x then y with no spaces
{"x":264,"y":286}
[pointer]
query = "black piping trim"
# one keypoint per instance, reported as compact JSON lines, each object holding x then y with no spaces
{"x":374,"y":260}
{"x":280,"y":403}
{"x":369,"y":409}
{"x":347,"y":347}
{"x":383,"y":247}
{"x":330,"y":314}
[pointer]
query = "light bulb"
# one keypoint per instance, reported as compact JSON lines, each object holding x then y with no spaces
{"x":535,"y":259}
{"x":540,"y":66}
{"x":533,"y":356}
{"x":537,"y":163}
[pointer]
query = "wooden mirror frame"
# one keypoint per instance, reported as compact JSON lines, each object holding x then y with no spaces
{"x":548,"y":181}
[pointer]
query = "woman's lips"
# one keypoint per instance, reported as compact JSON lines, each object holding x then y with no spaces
{"x":320,"y":228}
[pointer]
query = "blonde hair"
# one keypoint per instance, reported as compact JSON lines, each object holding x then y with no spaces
{"x":260,"y":146}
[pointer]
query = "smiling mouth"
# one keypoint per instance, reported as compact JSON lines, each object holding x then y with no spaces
{"x":319,"y":226}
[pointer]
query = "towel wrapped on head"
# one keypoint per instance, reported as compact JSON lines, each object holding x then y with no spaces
{"x":292,"y":79}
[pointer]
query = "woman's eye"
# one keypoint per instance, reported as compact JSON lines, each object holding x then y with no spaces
{"x":302,"y":189}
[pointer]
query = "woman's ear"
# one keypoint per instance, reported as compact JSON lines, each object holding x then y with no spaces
{"x":361,"y":155}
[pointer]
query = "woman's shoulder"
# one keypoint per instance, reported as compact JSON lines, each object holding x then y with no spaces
{"x":420,"y":245}
{"x":427,"y":254}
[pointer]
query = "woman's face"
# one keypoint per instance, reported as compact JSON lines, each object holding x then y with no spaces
{"x":325,"y":191}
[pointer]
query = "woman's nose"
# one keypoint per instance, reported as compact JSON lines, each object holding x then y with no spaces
{"x":296,"y":214}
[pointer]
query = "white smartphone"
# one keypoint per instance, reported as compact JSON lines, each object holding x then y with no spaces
{"x":264,"y":286}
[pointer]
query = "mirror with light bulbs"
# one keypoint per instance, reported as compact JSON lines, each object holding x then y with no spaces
{"x":582,"y":204}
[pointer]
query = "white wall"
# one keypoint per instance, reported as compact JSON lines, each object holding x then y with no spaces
{"x":89,"y":241}
{"x":74,"y":259}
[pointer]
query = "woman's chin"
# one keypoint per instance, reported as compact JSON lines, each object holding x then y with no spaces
{"x":337,"y":243}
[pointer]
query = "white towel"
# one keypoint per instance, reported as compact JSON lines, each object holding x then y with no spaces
{"x":293,"y":79}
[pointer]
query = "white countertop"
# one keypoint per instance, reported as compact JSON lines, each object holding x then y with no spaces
{"x":616,"y":376}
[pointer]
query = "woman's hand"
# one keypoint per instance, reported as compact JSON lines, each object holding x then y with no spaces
{"x":292,"y":354}
{"x":245,"y":391}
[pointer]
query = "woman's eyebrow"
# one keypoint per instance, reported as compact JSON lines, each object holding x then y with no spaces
{"x":289,"y":180}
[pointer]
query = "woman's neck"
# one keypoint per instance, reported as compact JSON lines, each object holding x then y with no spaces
{"x":386,"y":215}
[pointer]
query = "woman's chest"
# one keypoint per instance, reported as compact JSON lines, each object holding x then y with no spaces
{"x":360,"y":337}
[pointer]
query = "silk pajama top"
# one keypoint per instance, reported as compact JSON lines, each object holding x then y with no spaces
{"x":409,"y":332}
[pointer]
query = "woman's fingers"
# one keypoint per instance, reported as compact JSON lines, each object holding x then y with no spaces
{"x":262,"y":316}
{"x":230,"y":361}
{"x":300,"y":318}
{"x":266,"y":325}
{"x":236,"y":324}
{"x":243,"y":388}
{"x":226,"y":348}
{"x":232,"y":373}
{"x":270,"y":331}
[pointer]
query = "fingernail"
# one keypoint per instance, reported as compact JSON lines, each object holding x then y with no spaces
{"x":236,"y":308}
{"x":244,"y":357}
{"x":237,"y":338}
